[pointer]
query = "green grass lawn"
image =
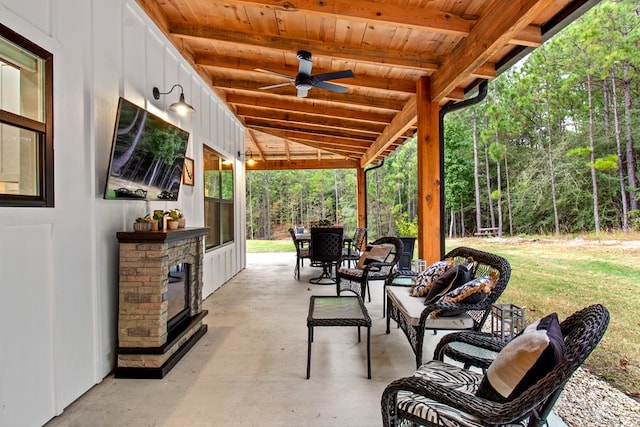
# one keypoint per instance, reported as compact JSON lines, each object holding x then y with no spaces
{"x":565,"y":275}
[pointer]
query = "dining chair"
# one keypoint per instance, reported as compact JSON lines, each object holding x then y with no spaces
{"x":302,"y":252}
{"x":353,"y":247}
{"x":325,"y":249}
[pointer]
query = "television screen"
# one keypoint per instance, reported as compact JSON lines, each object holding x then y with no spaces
{"x":147,"y":155}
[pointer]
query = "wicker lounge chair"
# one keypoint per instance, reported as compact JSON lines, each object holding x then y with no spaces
{"x":356,"y":279}
{"x":443,"y":394}
{"x":413,"y":316}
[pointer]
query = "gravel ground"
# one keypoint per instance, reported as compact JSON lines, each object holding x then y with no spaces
{"x":589,"y":401}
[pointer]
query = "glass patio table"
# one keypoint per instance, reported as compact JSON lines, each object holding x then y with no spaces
{"x":338,"y":311}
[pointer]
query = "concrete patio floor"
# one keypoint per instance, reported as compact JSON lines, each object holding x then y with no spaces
{"x":250,"y":367}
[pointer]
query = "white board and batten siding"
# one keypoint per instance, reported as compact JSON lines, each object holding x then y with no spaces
{"x":59,"y":266}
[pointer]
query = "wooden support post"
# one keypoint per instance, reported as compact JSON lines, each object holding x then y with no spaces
{"x":429,"y":174}
{"x":360,"y":179}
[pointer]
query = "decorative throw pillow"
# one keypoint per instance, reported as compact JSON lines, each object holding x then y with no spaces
{"x":524,"y":360}
{"x":374,"y":253}
{"x":472,"y":292}
{"x":451,"y":279}
{"x":428,"y":277}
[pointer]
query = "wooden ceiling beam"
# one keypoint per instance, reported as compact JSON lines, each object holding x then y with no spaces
{"x":417,"y":18}
{"x":504,"y":19}
{"x":296,"y":117}
{"x":333,"y":149}
{"x":254,"y":142}
{"x":361,"y":53}
{"x":403,"y":121}
{"x":274,"y":101}
{"x":328,"y":139}
{"x":226,"y":63}
{"x":305,"y":127}
{"x":289,"y":93}
{"x":304,"y":164}
{"x":320,"y":117}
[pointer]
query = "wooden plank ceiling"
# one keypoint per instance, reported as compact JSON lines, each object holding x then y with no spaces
{"x":387,"y":44}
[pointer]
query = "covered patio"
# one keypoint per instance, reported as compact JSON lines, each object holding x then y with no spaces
{"x":250,"y":368}
{"x":341,"y":84}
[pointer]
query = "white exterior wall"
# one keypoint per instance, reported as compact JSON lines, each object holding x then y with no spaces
{"x":59,"y":266}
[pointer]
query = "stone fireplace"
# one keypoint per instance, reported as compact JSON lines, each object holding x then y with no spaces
{"x":158,"y":271}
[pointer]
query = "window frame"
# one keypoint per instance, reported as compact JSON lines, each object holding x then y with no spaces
{"x":221,"y":204}
{"x":44,"y":131}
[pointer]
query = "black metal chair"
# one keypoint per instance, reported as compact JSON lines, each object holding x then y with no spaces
{"x":357,"y":279}
{"x":443,"y":394}
{"x":302,"y":252}
{"x":325,"y":250}
{"x":414,"y":317}
{"x":353,"y":247}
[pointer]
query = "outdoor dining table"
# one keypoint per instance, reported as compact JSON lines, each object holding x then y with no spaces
{"x":306,"y":237}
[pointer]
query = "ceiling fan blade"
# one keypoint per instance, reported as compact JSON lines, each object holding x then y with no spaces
{"x":302,"y":92}
{"x":334,"y":75}
{"x":329,"y":86}
{"x":277,"y":85}
{"x":305,"y":66}
{"x":275,"y":73}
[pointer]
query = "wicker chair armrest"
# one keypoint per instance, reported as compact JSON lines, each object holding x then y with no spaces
{"x":378,"y":265}
{"x":479,"y":340}
{"x":428,"y":309}
{"x":401,"y":273}
{"x":488,"y":411}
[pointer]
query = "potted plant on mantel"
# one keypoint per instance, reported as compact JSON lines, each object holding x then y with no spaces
{"x":182,"y":221}
{"x":174,"y":219}
{"x":143,"y":223}
{"x":158,"y":216}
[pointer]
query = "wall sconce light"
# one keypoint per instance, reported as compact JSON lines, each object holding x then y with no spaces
{"x":180,"y":107}
{"x":250,"y":160}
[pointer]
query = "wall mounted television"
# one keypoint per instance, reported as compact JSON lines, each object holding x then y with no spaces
{"x":147,"y":156}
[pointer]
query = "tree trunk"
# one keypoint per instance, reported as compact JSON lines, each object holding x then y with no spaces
{"x":551,"y":167}
{"x":506,"y":173}
{"x":592,"y":158}
{"x":462,"y":228}
{"x":488,"y":174}
{"x":452,"y":222}
{"x":616,"y":124}
{"x":378,"y":226}
{"x":476,"y":172}
{"x":267,"y":207}
{"x":631,"y":162}
{"x":499,"y":200}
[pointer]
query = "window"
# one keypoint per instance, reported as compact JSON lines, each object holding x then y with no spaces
{"x":26,"y":122}
{"x":218,"y":199}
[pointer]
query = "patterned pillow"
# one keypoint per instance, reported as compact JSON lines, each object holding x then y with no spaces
{"x":524,"y":360}
{"x":374,"y":253}
{"x":472,"y":292}
{"x":451,"y":279}
{"x":428,"y":277}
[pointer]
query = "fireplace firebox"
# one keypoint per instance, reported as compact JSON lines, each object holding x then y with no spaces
{"x":160,"y":314}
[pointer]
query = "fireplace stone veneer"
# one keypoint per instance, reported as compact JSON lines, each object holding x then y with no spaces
{"x":146,"y":348}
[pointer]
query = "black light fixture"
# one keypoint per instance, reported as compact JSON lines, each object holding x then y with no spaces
{"x":180,"y":107}
{"x":250,"y":160}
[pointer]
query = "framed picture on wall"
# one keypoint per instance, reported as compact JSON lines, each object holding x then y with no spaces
{"x":187,"y":171}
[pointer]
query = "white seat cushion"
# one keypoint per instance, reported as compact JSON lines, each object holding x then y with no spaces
{"x":412,"y":307}
{"x":452,"y":377}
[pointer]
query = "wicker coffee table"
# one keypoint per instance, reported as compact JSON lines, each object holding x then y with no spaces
{"x":338,"y":311}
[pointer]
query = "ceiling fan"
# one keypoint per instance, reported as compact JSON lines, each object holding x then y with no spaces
{"x":305,"y":81}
